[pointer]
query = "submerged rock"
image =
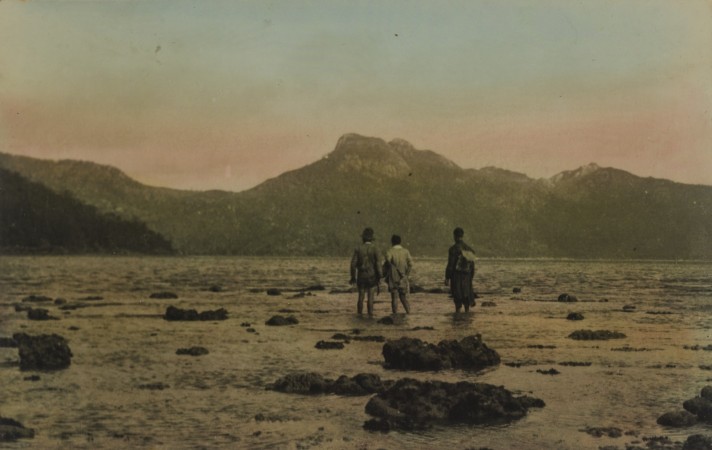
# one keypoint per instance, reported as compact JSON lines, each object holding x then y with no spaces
{"x":612,"y":432}
{"x":158,"y":386}
{"x":516,"y":290}
{"x":276,"y":321}
{"x":37,"y":299}
{"x":551,"y":371}
{"x":567,"y":298}
{"x":310,"y":383}
{"x":489,"y":304}
{"x":369,"y":338}
{"x":315,"y":287}
{"x":192,"y":351}
{"x":39,"y":314}
{"x":393,"y":319}
{"x":596,"y":335}
{"x":164,"y":295}
{"x":574,"y":316}
{"x":274,"y":291}
{"x":12,"y":430}
{"x":329,"y":345}
{"x":178,"y":314}
{"x":677,"y":419}
{"x":413,"y":354}
{"x":43,"y":352}
{"x":411,"y":404}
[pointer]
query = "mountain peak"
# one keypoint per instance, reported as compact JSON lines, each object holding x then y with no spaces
{"x":576,"y":173}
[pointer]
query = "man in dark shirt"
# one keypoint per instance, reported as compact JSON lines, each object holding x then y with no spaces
{"x":460,"y":271}
{"x":366,"y":270}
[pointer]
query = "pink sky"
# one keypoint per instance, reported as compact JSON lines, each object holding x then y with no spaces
{"x":223,"y":95}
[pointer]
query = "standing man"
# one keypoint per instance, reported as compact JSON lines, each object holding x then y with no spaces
{"x":366,"y":270}
{"x":460,"y":271}
{"x":397,"y":269}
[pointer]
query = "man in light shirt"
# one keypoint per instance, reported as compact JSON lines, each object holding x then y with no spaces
{"x":397,"y":269}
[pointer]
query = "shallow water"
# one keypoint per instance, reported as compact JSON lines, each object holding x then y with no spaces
{"x":212,"y":401}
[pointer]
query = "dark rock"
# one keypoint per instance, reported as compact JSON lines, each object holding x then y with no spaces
{"x":38,"y":314}
{"x":73,"y":328}
{"x":59,"y":301}
{"x":628,"y":308}
{"x":7,"y":342}
{"x":245,"y":324}
{"x":12,"y":430}
{"x":43,"y":352}
{"x":21,"y":308}
{"x":567,"y":298}
{"x":575,"y":363}
{"x":699,"y":406}
{"x":574,"y":316}
{"x":315,"y":287}
{"x":597,"y":335}
{"x":677,"y":419}
{"x":274,"y":291}
{"x":551,"y":371}
{"x":192,"y":351}
{"x":32,"y":378}
{"x":215,"y":288}
{"x":92,"y":298}
{"x":178,"y":314}
{"x":37,"y":299}
{"x":361,"y":384}
{"x":516,"y":290}
{"x":302,"y":383}
{"x":488,"y":304}
{"x":217,"y":314}
{"x":341,"y":337}
{"x":164,"y":295}
{"x":611,"y":432}
{"x":369,"y":338}
{"x":154,"y":386}
{"x":301,"y":295}
{"x":251,"y":330}
{"x":413,"y":354}
{"x":422,"y":328}
{"x":541,"y":346}
{"x":281,"y":320}
{"x":310,"y":383}
{"x":706,"y":392}
{"x":411,"y":404}
{"x":698,"y":442}
{"x":329,"y":345}
{"x":415,"y":289}
{"x":393,"y":319}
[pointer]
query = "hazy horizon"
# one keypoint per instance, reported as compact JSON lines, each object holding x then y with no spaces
{"x":225,"y":95}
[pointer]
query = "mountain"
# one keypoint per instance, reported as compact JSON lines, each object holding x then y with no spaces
{"x":35,"y":219}
{"x":320,"y":209}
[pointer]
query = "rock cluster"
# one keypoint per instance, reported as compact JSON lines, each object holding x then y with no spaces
{"x":310,"y":383}
{"x":177,"y":314}
{"x":42,"y":352}
{"x":164,"y":295}
{"x":696,"y":409}
{"x":413,"y":354}
{"x":411,"y":404}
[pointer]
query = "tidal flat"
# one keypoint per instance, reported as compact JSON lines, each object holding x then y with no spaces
{"x":129,"y":386}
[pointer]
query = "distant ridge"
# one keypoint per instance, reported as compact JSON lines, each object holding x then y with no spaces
{"x":34,"y":219}
{"x":320,"y":209}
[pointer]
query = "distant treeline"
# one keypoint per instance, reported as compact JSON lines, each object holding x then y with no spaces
{"x":34,"y":219}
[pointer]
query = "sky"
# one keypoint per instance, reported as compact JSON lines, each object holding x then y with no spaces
{"x":195,"y":94}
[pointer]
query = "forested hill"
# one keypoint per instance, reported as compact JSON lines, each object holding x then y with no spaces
{"x":320,"y":209}
{"x":34,"y":219}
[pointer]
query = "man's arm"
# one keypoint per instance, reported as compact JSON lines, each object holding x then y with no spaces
{"x":408,"y":263}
